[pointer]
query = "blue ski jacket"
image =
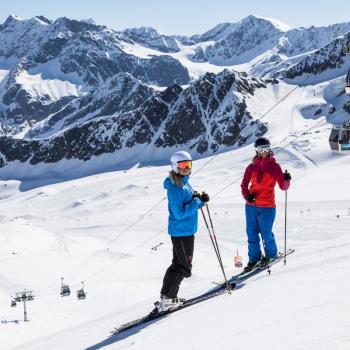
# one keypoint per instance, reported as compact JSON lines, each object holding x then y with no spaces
{"x":183,"y":208}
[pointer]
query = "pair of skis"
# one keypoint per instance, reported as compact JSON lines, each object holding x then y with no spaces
{"x":221,"y":289}
{"x":154,"y":314}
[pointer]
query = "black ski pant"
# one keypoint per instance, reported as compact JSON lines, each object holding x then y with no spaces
{"x":181,"y":266}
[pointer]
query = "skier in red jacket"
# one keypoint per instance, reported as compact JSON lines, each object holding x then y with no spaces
{"x":258,"y":189}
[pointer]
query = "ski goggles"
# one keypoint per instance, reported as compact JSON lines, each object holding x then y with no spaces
{"x":184,"y":164}
{"x":264,"y":148}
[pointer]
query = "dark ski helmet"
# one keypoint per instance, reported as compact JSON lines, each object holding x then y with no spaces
{"x":262,"y":141}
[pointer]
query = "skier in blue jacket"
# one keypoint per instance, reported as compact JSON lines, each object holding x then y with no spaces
{"x":183,"y":205}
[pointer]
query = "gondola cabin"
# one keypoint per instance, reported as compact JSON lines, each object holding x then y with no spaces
{"x":339,"y":139}
{"x":81,"y":294}
{"x":65,"y":290}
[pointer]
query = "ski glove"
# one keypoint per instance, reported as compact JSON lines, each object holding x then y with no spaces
{"x":251,"y":197}
{"x":287,"y":176}
{"x":204,"y":197}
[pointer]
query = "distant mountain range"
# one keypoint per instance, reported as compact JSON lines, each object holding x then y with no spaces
{"x":74,"y":90}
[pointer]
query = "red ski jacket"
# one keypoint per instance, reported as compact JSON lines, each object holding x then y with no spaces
{"x":262,"y":175}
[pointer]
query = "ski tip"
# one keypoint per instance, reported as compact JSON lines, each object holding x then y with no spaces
{"x":115,"y":332}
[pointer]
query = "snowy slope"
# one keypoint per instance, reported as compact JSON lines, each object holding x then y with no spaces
{"x":100,"y":229}
{"x":53,"y":88}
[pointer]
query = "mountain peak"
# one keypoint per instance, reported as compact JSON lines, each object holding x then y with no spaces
{"x":89,"y":21}
{"x":223,"y":30}
{"x":13,"y":19}
{"x":149,"y":32}
{"x":276,"y":23}
{"x":218,"y":32}
{"x":74,"y":25}
{"x":152,"y":38}
{"x":19,"y":25}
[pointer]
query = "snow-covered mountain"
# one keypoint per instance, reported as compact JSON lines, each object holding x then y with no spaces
{"x":301,"y":40}
{"x":248,"y":38}
{"x":210,"y":115}
{"x":117,"y":95}
{"x":45,"y":65}
{"x":90,"y":52}
{"x":73,"y":90}
{"x":150,"y":37}
{"x":330,"y":57}
{"x":268,"y":41}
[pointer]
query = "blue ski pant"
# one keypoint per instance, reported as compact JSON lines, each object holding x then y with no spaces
{"x":260,"y":220}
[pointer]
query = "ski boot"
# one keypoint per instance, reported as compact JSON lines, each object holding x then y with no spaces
{"x":265,"y":261}
{"x":166,"y":303}
{"x":250,"y":266}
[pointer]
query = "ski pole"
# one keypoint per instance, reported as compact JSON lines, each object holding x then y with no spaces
{"x":214,"y":235}
{"x":285,"y":229}
{"x":263,"y":245}
{"x":215,"y":245}
{"x":210,"y":235}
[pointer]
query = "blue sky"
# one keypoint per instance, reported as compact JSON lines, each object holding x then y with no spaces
{"x":181,"y":16}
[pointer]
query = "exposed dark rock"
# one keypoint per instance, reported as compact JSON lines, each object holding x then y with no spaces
{"x":208,"y":116}
{"x":346,"y":106}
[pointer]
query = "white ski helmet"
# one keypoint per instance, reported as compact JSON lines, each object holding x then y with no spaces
{"x":179,"y":157}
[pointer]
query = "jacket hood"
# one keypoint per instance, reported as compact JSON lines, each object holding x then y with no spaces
{"x":170,"y":182}
{"x":167,"y":182}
